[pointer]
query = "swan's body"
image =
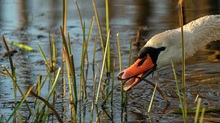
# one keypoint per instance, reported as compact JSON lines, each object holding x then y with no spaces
{"x":166,"y":46}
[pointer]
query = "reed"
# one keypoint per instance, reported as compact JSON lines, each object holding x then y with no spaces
{"x":44,"y":113}
{"x":70,"y":75}
{"x":83,"y":56}
{"x":178,"y":90}
{"x":93,"y":99}
{"x":113,"y":83}
{"x":10,"y":59}
{"x":38,"y":92}
{"x":13,"y":77}
{"x":107,"y":30}
{"x":94,"y":53}
{"x":46,"y":106}
{"x":65,"y":9}
{"x":12,"y":74}
{"x":180,"y":4}
{"x":198,"y":119}
{"x":99,"y":25}
{"x":121,"y":83}
{"x":43,"y":104}
{"x":102,"y":69}
{"x":119,"y":52}
{"x":45,"y":101}
{"x":197,"y":110}
{"x":19,"y":105}
{"x":202,"y":115}
{"x":152,"y":98}
{"x":84,"y":59}
{"x":157,"y":88}
{"x":103,"y":44}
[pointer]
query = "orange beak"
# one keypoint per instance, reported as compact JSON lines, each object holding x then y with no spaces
{"x":138,"y":70}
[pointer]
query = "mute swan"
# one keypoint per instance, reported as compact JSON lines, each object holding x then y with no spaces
{"x":166,"y":46}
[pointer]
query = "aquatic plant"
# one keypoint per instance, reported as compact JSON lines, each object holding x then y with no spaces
{"x":103,"y":80}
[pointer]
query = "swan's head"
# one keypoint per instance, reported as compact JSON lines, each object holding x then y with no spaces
{"x":145,"y":65}
{"x":154,"y":54}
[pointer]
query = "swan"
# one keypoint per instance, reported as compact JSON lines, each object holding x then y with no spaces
{"x":165,"y":47}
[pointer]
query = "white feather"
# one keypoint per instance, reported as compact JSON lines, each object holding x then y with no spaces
{"x":197,"y":34}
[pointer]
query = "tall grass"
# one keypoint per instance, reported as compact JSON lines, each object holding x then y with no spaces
{"x":180,"y":4}
{"x":178,"y":90}
{"x":152,"y":98}
{"x":19,"y":105}
{"x":182,"y":97}
{"x":102,"y":69}
{"x":13,"y":77}
{"x":76,"y":93}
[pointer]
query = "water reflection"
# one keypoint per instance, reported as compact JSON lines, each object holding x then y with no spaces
{"x":29,"y":21}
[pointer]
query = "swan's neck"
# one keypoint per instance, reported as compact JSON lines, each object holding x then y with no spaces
{"x":196,"y":35}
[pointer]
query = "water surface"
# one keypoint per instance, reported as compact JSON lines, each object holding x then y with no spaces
{"x":30,"y":21}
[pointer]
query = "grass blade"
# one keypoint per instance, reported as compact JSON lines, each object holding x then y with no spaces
{"x":102,"y":70}
{"x":99,"y":25}
{"x":9,"y":57}
{"x":49,"y":105}
{"x":178,"y":90}
{"x":202,"y":115}
{"x":152,"y":98}
{"x":197,"y":111}
{"x":180,"y":4}
{"x":18,"y":106}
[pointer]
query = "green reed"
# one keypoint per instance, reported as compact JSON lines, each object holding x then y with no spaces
{"x":180,"y":5}
{"x":19,"y":105}
{"x":44,"y":106}
{"x":51,"y":92}
{"x":84,"y":59}
{"x":93,"y":99}
{"x":12,"y":74}
{"x":10,"y":59}
{"x":182,"y":97}
{"x":50,"y":65}
{"x":202,"y":115}
{"x":119,"y":52}
{"x":65,"y":9}
{"x":106,"y":65}
{"x":102,"y":69}
{"x":13,"y":77}
{"x":107,"y":30}
{"x":152,"y":98}
{"x":99,"y":25}
{"x":121,"y":83}
{"x":197,"y":110}
{"x":70,"y":75}
{"x":178,"y":90}
{"x":94,"y":79}
{"x":83,"y":56}
{"x":38,"y":92}
{"x":198,"y":107}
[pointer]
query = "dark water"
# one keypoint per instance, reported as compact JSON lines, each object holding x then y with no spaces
{"x":29,"y":22}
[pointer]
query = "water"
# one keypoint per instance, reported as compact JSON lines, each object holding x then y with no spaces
{"x":30,"y":22}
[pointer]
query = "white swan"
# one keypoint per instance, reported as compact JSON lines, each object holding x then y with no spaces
{"x":166,"y":46}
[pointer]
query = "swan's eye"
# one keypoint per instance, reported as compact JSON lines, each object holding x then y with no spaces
{"x":162,"y":48}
